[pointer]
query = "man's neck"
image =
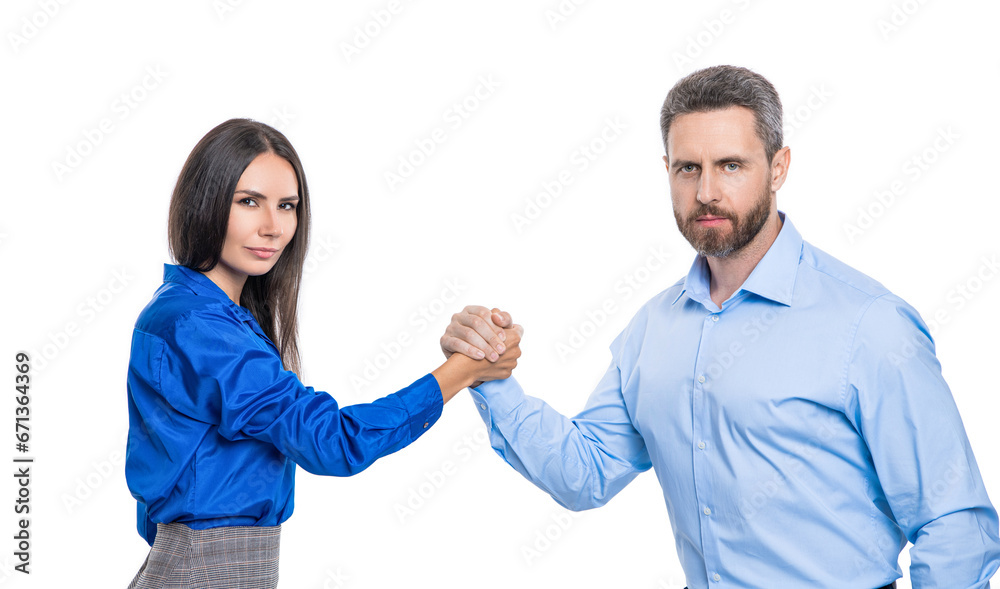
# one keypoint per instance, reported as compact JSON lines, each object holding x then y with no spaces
{"x":728,"y":274}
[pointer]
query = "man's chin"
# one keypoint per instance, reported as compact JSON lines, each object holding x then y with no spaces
{"x":708,"y":239}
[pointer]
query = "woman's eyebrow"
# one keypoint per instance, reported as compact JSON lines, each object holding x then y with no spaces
{"x":256,"y":194}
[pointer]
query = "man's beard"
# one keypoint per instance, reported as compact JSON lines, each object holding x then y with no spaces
{"x":718,"y":243}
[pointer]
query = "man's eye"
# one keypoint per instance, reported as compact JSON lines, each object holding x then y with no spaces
{"x":731,"y":167}
{"x":687,"y":168}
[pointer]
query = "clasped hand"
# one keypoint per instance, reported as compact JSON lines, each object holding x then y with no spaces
{"x":480,"y":333}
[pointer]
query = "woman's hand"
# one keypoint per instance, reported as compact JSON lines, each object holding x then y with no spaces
{"x":460,"y":371}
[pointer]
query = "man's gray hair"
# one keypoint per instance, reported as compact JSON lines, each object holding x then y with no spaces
{"x":721,"y":87}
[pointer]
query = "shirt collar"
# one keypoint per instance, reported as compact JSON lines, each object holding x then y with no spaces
{"x":200,"y":284}
{"x":773,"y":278}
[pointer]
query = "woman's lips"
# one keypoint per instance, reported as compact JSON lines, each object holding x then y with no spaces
{"x":263,"y":252}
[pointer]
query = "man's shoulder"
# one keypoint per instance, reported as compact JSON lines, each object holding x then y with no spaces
{"x":835,"y":274}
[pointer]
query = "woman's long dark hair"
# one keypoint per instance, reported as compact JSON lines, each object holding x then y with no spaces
{"x":199,"y":218}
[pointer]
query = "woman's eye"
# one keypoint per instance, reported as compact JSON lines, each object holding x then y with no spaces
{"x":288,"y":206}
{"x":248,"y":202}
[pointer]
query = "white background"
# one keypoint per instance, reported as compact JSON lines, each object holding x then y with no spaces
{"x":83,"y":247}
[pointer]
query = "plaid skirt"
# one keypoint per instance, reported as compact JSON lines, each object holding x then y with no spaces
{"x":243,"y":557}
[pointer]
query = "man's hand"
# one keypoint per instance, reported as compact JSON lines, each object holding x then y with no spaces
{"x":459,"y":372}
{"x":478,"y":332}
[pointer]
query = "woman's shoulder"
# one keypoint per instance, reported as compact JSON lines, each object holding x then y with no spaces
{"x":175,"y":307}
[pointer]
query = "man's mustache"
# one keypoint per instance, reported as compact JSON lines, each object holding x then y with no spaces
{"x":710,"y":210}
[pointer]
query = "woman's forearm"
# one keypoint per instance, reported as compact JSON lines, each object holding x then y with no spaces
{"x":457,"y":373}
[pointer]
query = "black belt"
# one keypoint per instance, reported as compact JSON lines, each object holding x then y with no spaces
{"x":889,"y":586}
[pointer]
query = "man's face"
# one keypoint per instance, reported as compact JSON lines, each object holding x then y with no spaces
{"x":721,"y":182}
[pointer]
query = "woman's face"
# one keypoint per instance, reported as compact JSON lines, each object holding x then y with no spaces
{"x":262,"y":219}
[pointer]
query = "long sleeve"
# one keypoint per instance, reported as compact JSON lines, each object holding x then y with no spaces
{"x":581,"y":462}
{"x":217,"y":427}
{"x":904,"y":410}
{"x":216,"y":372}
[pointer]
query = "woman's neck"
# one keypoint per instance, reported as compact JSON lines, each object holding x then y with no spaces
{"x":230,"y":281}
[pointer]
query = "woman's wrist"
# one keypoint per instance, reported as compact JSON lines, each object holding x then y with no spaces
{"x":457,"y":373}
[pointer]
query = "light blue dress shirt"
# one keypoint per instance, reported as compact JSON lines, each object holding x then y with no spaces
{"x":802,"y":433}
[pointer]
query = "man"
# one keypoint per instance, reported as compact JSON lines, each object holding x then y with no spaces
{"x":792,"y":408}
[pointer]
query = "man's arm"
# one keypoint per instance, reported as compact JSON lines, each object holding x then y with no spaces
{"x":899,"y":401}
{"x":581,"y":462}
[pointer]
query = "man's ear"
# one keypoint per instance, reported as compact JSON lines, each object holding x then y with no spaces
{"x":779,"y":167}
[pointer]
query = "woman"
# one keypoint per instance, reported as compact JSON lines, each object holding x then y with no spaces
{"x":217,"y":416}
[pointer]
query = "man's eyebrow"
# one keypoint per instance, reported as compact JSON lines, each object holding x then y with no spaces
{"x":256,"y":194}
{"x":734,"y":159}
{"x":681,"y":164}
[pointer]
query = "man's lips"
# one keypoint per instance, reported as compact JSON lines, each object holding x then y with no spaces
{"x":710,"y":220}
{"x":263,"y":252}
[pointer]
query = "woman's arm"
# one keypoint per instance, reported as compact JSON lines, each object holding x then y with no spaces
{"x":209,"y":368}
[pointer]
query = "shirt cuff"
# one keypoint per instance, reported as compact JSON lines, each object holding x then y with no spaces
{"x":423,"y":402}
{"x":496,"y":399}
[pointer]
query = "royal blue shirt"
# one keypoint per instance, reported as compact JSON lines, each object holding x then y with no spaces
{"x":801,"y":433}
{"x":216,"y":425}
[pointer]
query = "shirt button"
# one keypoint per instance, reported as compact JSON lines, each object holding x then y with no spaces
{"x":482,"y":406}
{"x":427,"y":424}
{"x":701,"y":445}
{"x":715,"y":317}
{"x":716,"y":577}
{"x":707,"y":511}
{"x":701,"y":378}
